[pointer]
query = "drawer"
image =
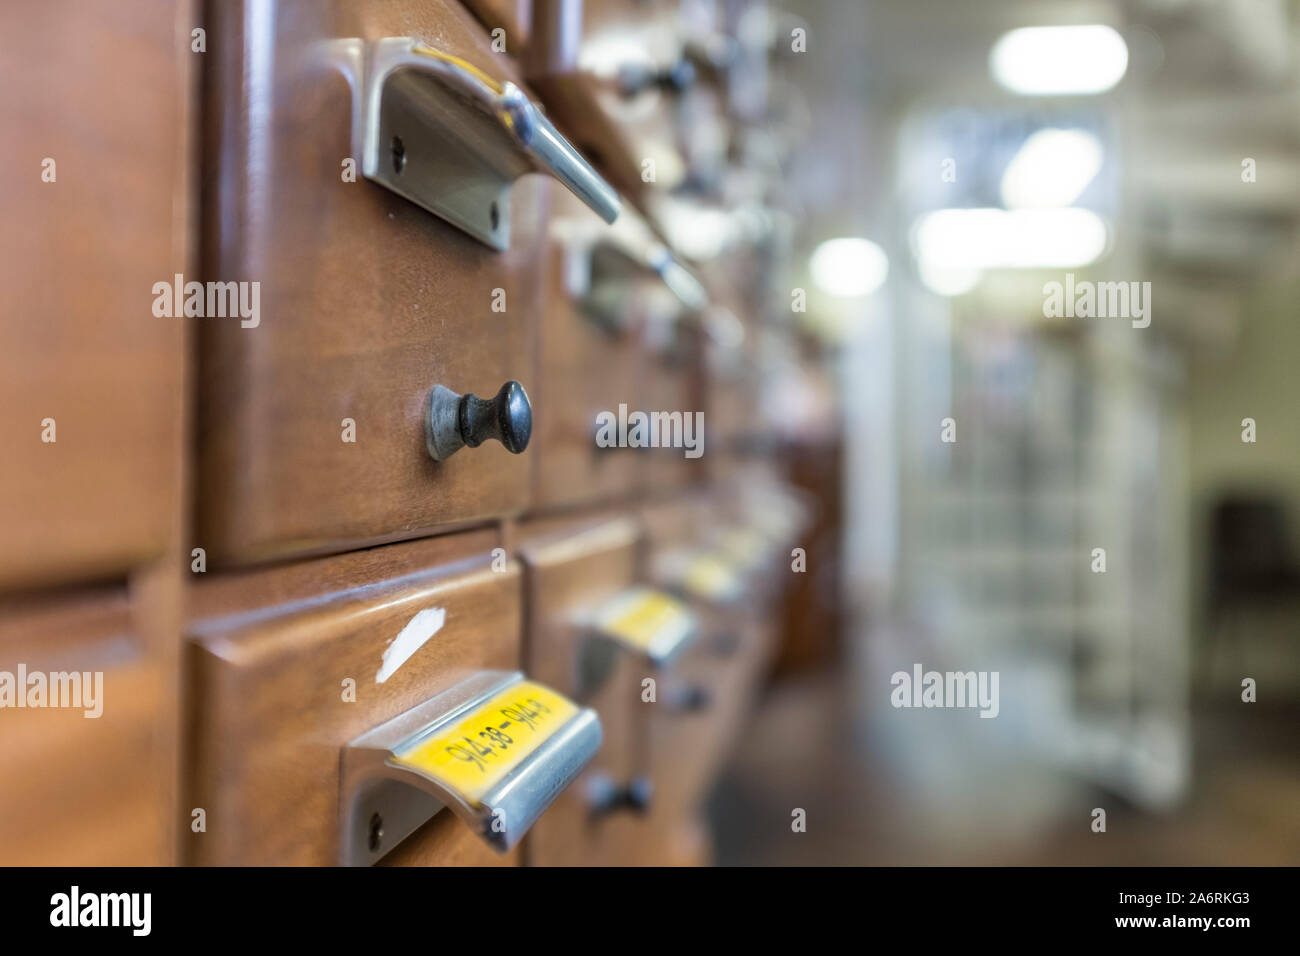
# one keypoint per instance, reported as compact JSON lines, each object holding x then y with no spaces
{"x":367,"y":299}
{"x":733,"y":406}
{"x":728,"y":547}
{"x":572,"y":568}
{"x":733,"y":394}
{"x":760,"y":521}
{"x":589,"y":361}
{"x":728,"y":571}
{"x":81,"y":790}
{"x":612,"y":77}
{"x":617,"y":343}
{"x":673,"y":384}
{"x":708,"y":697}
{"x":272,"y":652}
{"x":100,"y":90}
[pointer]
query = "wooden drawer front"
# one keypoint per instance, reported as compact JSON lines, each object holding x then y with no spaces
{"x":673,"y":384}
{"x":367,"y":300}
{"x":732,"y":415}
{"x":99,"y":89}
{"x":512,"y":16}
{"x":582,"y":81}
{"x":732,"y":379}
{"x":79,"y":790}
{"x":587,"y":366}
{"x":569,"y":573}
{"x":678,"y":522}
{"x":273,"y":650}
{"x":688,"y":748}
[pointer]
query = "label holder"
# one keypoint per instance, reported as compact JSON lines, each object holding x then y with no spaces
{"x":451,"y":139}
{"x":620,"y":626}
{"x":382,"y":800}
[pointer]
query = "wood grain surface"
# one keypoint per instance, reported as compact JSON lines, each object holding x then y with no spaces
{"x":367,"y":301}
{"x":102,"y":90}
{"x":272,"y":651}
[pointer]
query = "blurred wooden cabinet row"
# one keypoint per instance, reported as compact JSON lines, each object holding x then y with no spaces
{"x":230,"y":517}
{"x":282,"y":669}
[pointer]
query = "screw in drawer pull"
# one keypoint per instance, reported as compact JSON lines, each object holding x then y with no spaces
{"x":452,"y":421}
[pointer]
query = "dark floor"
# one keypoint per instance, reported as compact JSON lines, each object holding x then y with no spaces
{"x":805,"y":748}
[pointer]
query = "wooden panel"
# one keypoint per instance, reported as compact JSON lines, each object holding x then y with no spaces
{"x":571,"y":569}
{"x":81,"y":790}
{"x":584,"y":368}
{"x":673,"y":383}
{"x":677,"y":522}
{"x":732,"y":377}
{"x":512,"y":16}
{"x":581,"y":86}
{"x":687,"y":749}
{"x":100,"y":89}
{"x":367,"y":301}
{"x":273,"y":650}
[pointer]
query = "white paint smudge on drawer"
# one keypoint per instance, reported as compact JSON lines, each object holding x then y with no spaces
{"x":412,"y":637}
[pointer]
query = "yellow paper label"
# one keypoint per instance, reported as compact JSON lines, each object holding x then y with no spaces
{"x":710,"y":577}
{"x":478,"y":750}
{"x":745,"y":547}
{"x":647,"y":617}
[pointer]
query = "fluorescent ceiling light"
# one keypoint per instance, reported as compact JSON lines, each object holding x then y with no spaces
{"x":956,"y":239}
{"x":1052,"y":168}
{"x":1059,"y":60}
{"x":948,"y":280}
{"x":849,"y":267}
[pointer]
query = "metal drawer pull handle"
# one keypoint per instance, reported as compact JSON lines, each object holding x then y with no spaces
{"x":603,"y":263}
{"x":643,"y":621}
{"x":690,"y":292}
{"x":452,"y":421}
{"x":450,"y":138}
{"x":496,"y":750}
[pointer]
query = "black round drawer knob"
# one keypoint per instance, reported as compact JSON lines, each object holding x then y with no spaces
{"x":605,"y":795}
{"x":691,"y":699}
{"x":452,"y":421}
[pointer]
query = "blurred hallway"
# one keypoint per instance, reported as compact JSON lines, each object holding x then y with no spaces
{"x":881,"y":795}
{"x":1071,"y":453}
